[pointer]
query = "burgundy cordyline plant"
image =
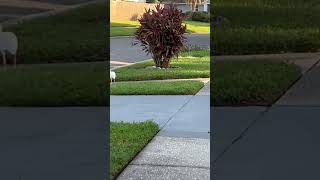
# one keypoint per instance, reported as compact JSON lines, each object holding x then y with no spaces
{"x":161,"y":33}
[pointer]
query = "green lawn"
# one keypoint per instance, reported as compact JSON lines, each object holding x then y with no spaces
{"x":156,"y":88}
{"x":197,"y":27}
{"x":251,"y":82}
{"x":122,"y":31}
{"x":127,"y":28}
{"x":194,"y":64}
{"x":264,"y":26}
{"x":74,"y":36}
{"x":126,"y":140}
{"x":123,"y":28}
{"x":83,"y":84}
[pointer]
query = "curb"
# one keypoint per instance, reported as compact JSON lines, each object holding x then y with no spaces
{"x":129,"y":64}
{"x":48,"y":13}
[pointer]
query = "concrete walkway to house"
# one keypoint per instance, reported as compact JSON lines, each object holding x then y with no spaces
{"x":277,"y":142}
{"x":181,"y":150}
{"x":53,"y":143}
{"x":122,"y":50}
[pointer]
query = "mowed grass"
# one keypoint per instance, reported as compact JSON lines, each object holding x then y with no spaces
{"x":251,"y":82}
{"x":263,"y":26}
{"x":123,"y":28}
{"x":197,"y":27}
{"x":194,"y":64}
{"x":185,"y":87}
{"x":74,"y":36}
{"x":126,"y":140}
{"x":82,"y":84}
{"x":127,"y":28}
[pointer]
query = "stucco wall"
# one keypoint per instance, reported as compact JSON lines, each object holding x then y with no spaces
{"x":125,"y":11}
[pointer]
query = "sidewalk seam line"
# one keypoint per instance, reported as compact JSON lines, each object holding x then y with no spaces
{"x":241,"y":135}
{"x":170,"y":118}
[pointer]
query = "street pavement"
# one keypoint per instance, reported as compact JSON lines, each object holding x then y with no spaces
{"x":122,"y":49}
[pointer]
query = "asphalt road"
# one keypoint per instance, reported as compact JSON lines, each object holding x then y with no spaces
{"x":121,"y":48}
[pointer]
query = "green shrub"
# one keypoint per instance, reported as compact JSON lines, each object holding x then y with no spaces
{"x":198,"y":16}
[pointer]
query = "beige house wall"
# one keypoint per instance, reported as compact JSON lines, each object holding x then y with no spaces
{"x":126,"y":11}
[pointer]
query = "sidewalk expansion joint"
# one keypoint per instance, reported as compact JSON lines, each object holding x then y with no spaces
{"x":184,"y":105}
{"x":313,"y":66}
{"x":242,"y":134}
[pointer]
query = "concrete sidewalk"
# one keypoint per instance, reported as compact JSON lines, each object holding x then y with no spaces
{"x":305,"y":92}
{"x":171,"y":158}
{"x":276,"y":143}
{"x":281,"y":144}
{"x":53,"y":143}
{"x":205,"y":90}
{"x":181,"y":150}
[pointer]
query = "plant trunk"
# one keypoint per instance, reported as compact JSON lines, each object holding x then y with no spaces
{"x":165,"y":63}
{"x":162,"y":63}
{"x":156,"y":61}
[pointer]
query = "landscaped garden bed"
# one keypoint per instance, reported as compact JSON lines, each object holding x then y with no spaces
{"x":126,"y":141}
{"x":251,"y":82}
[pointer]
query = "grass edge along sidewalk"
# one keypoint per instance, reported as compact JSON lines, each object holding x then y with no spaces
{"x":185,"y":87}
{"x":126,"y":141}
{"x":251,"y":82}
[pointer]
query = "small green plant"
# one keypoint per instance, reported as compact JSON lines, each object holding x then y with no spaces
{"x":162,"y":33}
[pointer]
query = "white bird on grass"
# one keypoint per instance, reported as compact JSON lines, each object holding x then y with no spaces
{"x":112,"y":76}
{"x":8,"y":44}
